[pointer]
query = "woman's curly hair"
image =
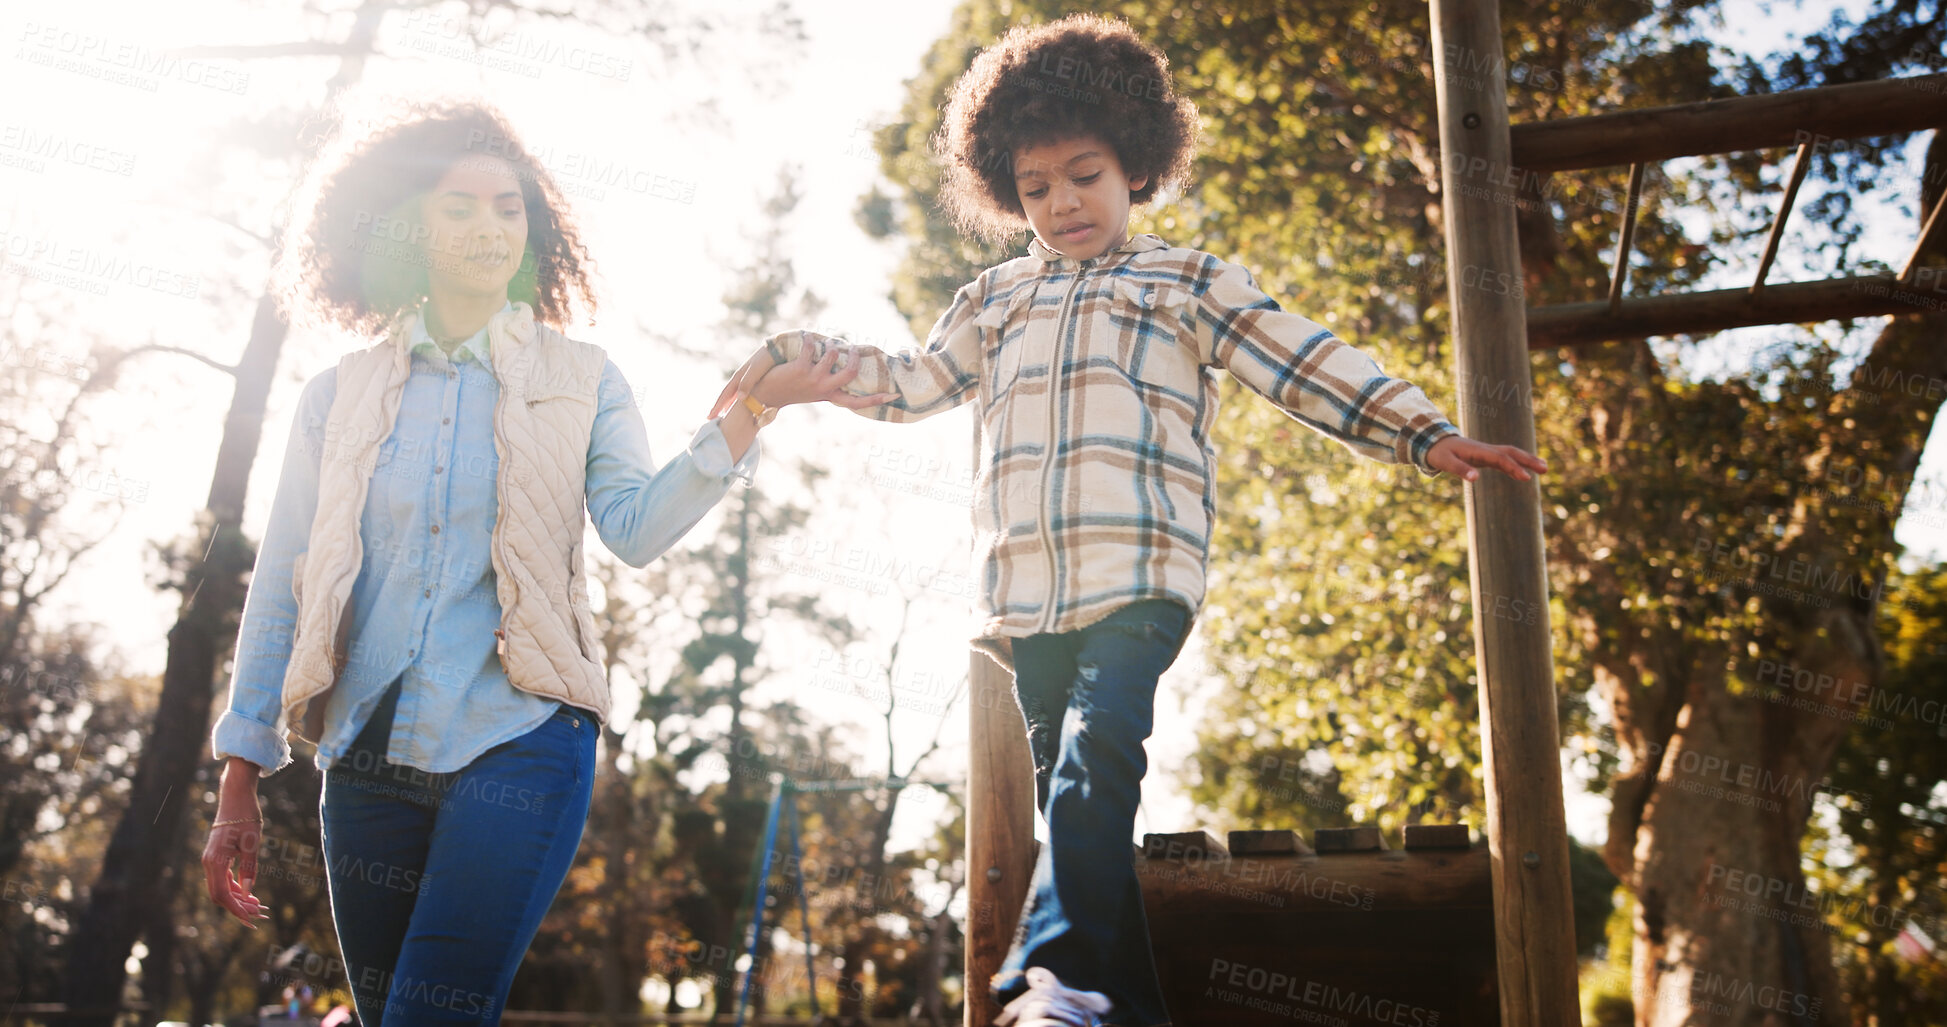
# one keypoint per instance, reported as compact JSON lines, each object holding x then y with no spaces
{"x":1081,"y":75}
{"x":341,"y":265}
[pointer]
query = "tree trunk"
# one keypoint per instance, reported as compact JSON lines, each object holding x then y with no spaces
{"x":132,"y":891}
{"x":158,"y":989}
{"x":930,"y":1004}
{"x":1707,"y":823}
{"x":851,"y":993}
{"x":624,"y":960}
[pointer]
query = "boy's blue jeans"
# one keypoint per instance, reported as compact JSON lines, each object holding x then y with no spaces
{"x":1088,"y":697}
{"x":439,"y":881}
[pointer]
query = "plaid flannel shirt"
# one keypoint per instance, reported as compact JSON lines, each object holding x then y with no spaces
{"x":1094,"y":487}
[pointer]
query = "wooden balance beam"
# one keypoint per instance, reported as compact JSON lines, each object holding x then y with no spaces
{"x":1345,"y":931}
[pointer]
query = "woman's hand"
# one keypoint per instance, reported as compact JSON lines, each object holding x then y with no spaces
{"x":236,"y":839}
{"x":1459,"y":455}
{"x":740,"y":383}
{"x":803,"y":380}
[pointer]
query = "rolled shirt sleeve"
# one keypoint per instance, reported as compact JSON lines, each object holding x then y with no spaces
{"x":639,"y":510}
{"x":1314,"y":376}
{"x":251,"y":725}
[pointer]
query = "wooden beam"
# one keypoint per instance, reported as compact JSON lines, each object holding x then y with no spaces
{"x":1854,"y":111}
{"x":1384,"y":879}
{"x":1527,"y":832}
{"x":1000,"y":829}
{"x":1625,"y":237}
{"x":1699,"y":313}
{"x":1366,"y":939}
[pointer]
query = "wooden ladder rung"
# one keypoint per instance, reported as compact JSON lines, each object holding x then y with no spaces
{"x":1268,"y":843}
{"x":1184,"y":845}
{"x":1348,"y":839}
{"x":1438,"y":836}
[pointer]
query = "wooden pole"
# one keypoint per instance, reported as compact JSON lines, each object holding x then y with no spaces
{"x":1799,"y":164}
{"x":1699,"y":313}
{"x":1623,"y":238}
{"x":1000,"y":823}
{"x":1926,"y":235}
{"x":1817,"y":116}
{"x":1527,"y":832}
{"x":1000,"y":829}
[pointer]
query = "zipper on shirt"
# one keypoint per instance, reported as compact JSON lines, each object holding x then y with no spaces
{"x":1048,"y":454}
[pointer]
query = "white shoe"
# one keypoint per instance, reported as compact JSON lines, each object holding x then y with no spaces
{"x":1049,"y":1003}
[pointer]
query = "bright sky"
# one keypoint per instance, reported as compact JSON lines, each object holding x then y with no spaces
{"x":105,"y":157}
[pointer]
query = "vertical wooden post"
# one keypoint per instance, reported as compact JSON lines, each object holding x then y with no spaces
{"x":1520,"y":753}
{"x":1000,"y":828}
{"x":1000,"y":821}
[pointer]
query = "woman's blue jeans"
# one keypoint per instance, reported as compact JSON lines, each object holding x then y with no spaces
{"x":1088,"y":698}
{"x":439,"y":881}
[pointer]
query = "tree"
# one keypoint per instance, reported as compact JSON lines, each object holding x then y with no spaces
{"x":69,"y":722}
{"x":131,"y":896}
{"x":1889,"y":854}
{"x":873,"y":873}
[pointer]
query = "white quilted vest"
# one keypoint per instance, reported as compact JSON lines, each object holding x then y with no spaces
{"x":542,"y":421}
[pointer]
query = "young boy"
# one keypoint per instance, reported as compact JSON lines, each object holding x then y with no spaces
{"x":1092,"y":360}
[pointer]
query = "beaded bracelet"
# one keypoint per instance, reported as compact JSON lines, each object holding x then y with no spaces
{"x":239,"y":820}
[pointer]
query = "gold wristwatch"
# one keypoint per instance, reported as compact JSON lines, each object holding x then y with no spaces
{"x":760,"y":413}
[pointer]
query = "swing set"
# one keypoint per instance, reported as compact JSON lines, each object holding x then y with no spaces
{"x":784,"y":805}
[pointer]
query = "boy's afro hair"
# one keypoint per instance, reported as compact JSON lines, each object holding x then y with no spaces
{"x":1082,"y":75}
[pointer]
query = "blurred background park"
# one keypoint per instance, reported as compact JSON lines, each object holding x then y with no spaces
{"x":743,"y":167}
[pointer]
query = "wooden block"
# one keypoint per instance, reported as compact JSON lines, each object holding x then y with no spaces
{"x":1438,"y":836}
{"x":1348,"y":839}
{"x":1268,"y":843}
{"x":1184,"y":845}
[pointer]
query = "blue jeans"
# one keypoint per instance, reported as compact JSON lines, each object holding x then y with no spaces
{"x":439,"y":881}
{"x":1088,"y":698}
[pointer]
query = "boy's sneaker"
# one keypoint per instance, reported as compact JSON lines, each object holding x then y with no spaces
{"x":1049,"y":1003}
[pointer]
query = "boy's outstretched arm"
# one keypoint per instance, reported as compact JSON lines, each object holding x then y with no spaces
{"x":1459,"y":455}
{"x":1316,"y":377}
{"x":906,"y":386}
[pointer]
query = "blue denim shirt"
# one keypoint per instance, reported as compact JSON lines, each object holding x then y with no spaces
{"x":424,"y":606}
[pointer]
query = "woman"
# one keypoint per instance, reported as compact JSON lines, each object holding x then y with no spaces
{"x":418,"y":607}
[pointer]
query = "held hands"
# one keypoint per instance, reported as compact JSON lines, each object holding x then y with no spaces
{"x":1459,"y":455}
{"x":803,"y":380}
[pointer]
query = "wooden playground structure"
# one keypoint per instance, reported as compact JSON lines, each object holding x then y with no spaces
{"x":1266,"y":929}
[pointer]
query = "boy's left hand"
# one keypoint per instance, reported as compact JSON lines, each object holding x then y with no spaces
{"x":1459,"y":455}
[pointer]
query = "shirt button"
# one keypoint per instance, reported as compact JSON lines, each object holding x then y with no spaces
{"x":435,"y":529}
{"x":446,"y":420}
{"x":429,"y":593}
{"x":1149,"y":297}
{"x":438,"y":468}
